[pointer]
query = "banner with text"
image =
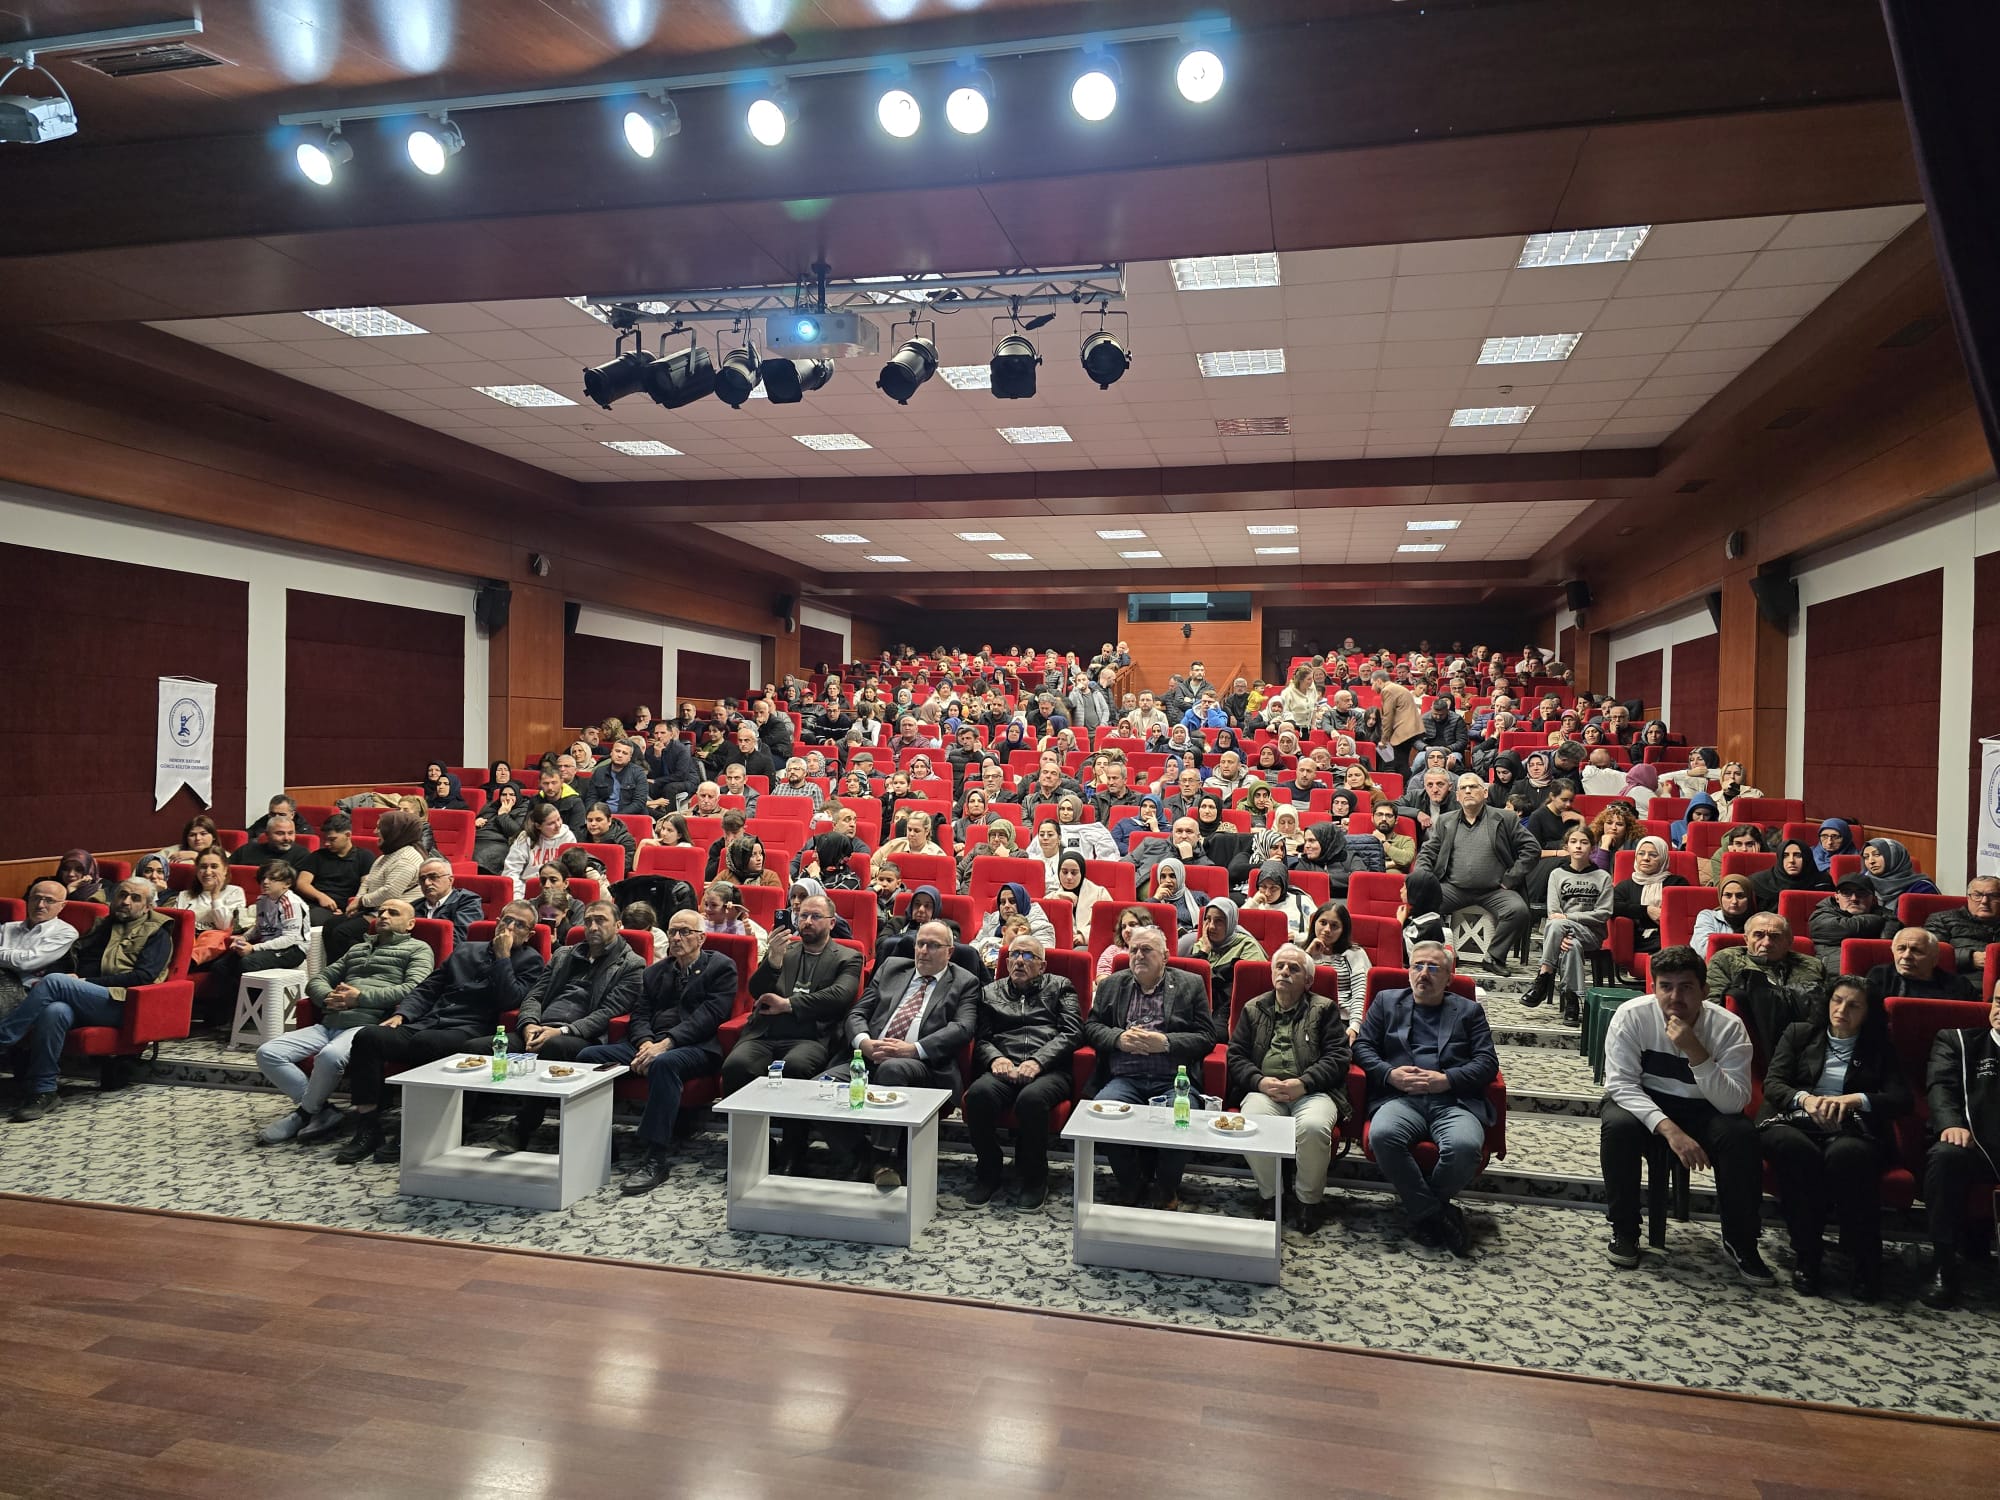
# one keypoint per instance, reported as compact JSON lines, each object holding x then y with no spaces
{"x":184,"y":752}
{"x":1987,"y":859}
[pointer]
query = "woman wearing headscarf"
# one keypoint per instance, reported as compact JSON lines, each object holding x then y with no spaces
{"x":1890,"y":870}
{"x":1735,"y":905}
{"x":1269,"y":764}
{"x":1637,"y":898}
{"x":1281,"y":839}
{"x":1167,"y":885}
{"x":1183,"y":744}
{"x":829,"y":857}
{"x":1009,"y":901}
{"x":1794,"y":871}
{"x":1699,"y":776}
{"x":803,"y":890}
{"x":1074,"y":888}
{"x":1642,"y":783}
{"x":1013,"y":737}
{"x":1701,"y":809}
{"x":1152,"y":819}
{"x":77,"y":872}
{"x":152,"y":869}
{"x":1836,"y":836}
{"x":992,"y":839}
{"x":968,"y":826}
{"x":1324,"y":851}
{"x":1222,"y":944}
{"x":443,"y":791}
{"x":1507,"y":776}
{"x":1273,"y":891}
{"x":1535,"y":780}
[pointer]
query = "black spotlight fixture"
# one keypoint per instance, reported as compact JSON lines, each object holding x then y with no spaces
{"x":1013,"y":366}
{"x":1104,"y":355}
{"x":909,"y":367}
{"x":787,"y":380}
{"x":617,"y":379}
{"x":678,"y":380}
{"x":737,"y":376}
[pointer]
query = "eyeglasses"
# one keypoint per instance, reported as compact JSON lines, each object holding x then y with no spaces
{"x":1426,"y":968}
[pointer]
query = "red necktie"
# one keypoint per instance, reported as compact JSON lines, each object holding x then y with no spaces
{"x":907,"y":1013}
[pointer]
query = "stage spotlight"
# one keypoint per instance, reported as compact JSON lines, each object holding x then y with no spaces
{"x":1199,"y":76}
{"x":320,"y":160}
{"x":680,"y":379}
{"x":771,"y":114}
{"x":617,"y":379}
{"x":1105,"y":359}
{"x":968,"y":106}
{"x":909,"y":367}
{"x":431,"y":146}
{"x":1095,"y":93}
{"x":737,"y":377}
{"x":646,"y":125}
{"x":899,"y":113}
{"x":787,"y":380}
{"x":1013,"y":367}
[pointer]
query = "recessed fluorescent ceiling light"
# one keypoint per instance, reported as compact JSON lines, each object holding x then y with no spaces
{"x":1214,"y":273}
{"x":979,"y":536}
{"x":1034,"y":434}
{"x":645,"y":448}
{"x":843,"y":538}
{"x":1252,"y":426}
{"x":885,"y":557}
{"x":1277,"y":551}
{"x":1582,"y":247}
{"x":1421,"y":547}
{"x":1431,"y":526}
{"x":1121,"y":536}
{"x":1011,"y":556}
{"x":365,"y":322}
{"x":1138,"y":554}
{"x":525,"y":395}
{"x":1528,"y":348}
{"x":1242,"y":362}
{"x":1490,"y":416}
{"x":830,"y":442}
{"x":1272,"y":530}
{"x":967,"y":377}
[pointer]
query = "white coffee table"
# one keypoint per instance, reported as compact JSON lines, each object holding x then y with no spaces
{"x":761,"y":1202}
{"x":1176,"y":1244}
{"x":436,"y":1163}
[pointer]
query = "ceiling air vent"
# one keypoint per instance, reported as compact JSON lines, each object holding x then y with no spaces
{"x":138,"y":62}
{"x":1252,"y":426}
{"x":1910,"y":334}
{"x":1788,"y":418}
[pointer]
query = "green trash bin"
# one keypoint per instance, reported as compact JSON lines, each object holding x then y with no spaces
{"x":1598,"y":1004}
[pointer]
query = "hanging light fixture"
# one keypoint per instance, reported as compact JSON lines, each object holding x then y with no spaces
{"x":321,"y":160}
{"x":431,"y":146}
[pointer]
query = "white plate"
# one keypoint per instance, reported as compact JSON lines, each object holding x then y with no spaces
{"x":885,"y":1098}
{"x":1249,"y":1127}
{"x":583,"y":1070}
{"x":484,"y":1064}
{"x":1114,"y":1110}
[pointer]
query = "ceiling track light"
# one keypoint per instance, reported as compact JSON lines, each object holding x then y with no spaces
{"x":1094,"y":93}
{"x":677,"y":380}
{"x":648,"y":124}
{"x":621,"y":376}
{"x":1199,"y":74}
{"x":970,"y":103}
{"x":787,"y":380}
{"x":1013,"y":365}
{"x":771,"y":114}
{"x":911,"y":365}
{"x":898,"y":111}
{"x":431,"y":146}
{"x":1104,"y":356}
{"x":736,"y":376}
{"x":320,"y":160}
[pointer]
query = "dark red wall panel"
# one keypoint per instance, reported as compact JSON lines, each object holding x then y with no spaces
{"x":1638,"y":677}
{"x":602,"y":677}
{"x":816,"y":646}
{"x":705,"y":678}
{"x":89,"y":642}
{"x":1872,"y":662}
{"x":1695,"y":665}
{"x":372,"y":691}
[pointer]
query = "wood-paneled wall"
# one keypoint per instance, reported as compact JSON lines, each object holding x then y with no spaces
{"x":1224,"y":650}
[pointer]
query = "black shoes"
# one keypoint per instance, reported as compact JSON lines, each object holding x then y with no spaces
{"x":38,"y":1107}
{"x":1572,"y":1008}
{"x":1623,"y":1254}
{"x":1454,"y":1231}
{"x":521,"y":1130}
{"x":1031,"y":1195}
{"x":1540,"y":990}
{"x":1305,"y":1217}
{"x":1807,"y":1278}
{"x":650,"y":1173}
{"x":1749,"y":1265}
{"x":983,"y":1191}
{"x":362,"y":1144}
{"x":1940,"y":1284}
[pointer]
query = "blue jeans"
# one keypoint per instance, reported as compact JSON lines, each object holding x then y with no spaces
{"x":1460,"y":1137}
{"x":279,"y":1059}
{"x":1135,"y":1166}
{"x":44,"y":1018}
{"x":664,"y":1081}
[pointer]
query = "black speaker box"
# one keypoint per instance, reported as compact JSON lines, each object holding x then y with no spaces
{"x":490,"y":606}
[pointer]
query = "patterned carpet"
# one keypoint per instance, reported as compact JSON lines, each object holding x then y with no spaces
{"x":1540,"y":1295}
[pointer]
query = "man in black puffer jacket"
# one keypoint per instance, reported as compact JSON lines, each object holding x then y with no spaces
{"x":1030,"y":1023}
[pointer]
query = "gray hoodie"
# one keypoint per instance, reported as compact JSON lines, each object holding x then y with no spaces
{"x":1583,"y":896}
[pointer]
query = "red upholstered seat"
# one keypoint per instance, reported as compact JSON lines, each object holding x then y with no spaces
{"x":1913,"y":1024}
{"x":1496,"y":1092}
{"x":991,"y":871}
{"x":1266,"y":924}
{"x":676,"y":862}
{"x":152,"y":1012}
{"x":611,"y":856}
{"x":451,"y":831}
{"x":1116,"y":876}
{"x":493,"y":891}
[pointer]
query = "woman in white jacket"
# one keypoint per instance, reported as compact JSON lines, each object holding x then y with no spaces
{"x":540,"y":842}
{"x":218,"y":906}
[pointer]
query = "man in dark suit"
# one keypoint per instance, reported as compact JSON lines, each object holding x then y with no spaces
{"x":672,"y":774}
{"x":1429,"y":1056}
{"x":1915,"y":969}
{"x":1029,"y":1023}
{"x":620,"y":783}
{"x":909,"y":1027}
{"x":442,"y":903}
{"x":1146,"y":1021}
{"x":682,"y":1003}
{"x":1963,"y":1087}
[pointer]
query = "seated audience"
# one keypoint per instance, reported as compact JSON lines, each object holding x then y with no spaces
{"x":1913,"y":969}
{"x":1027,"y":1026}
{"x":1962,"y":1088}
{"x":1888,"y":867}
{"x":392,"y":877}
{"x":1481,"y":855}
{"x":1676,"y":1080}
{"x":599,"y":827}
{"x":1011,"y":900}
{"x":1772,"y":985}
{"x":1970,"y":931}
{"x":619,"y":784}
{"x":1274,"y":892}
{"x":197,"y":837}
{"x":1735,"y":905}
{"x":441,"y":901}
{"x":571,"y":1005}
{"x":1793,"y":871}
{"x":683,"y":1001}
{"x":555,"y":908}
{"x":1850,"y":912}
{"x":1830,"y":1096}
{"x":1288,"y":1055}
{"x":360,"y":988}
{"x":1120,"y":945}
{"x":35,"y":945}
{"x":1743,"y":839}
{"x":1398,"y":849}
{"x":1579,"y":909}
{"x":1428,"y":1056}
{"x":540,"y":843}
{"x":280,"y":841}
{"x":495,"y":827}
{"x":722,"y":912}
{"x":329,"y":877}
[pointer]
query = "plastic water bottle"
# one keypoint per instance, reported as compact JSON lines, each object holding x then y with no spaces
{"x":1182,"y":1104}
{"x":857,"y":1081}
{"x":499,"y":1052}
{"x":775,"y":1074}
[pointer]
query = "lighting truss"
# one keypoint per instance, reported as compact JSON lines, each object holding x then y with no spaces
{"x":998,"y":290}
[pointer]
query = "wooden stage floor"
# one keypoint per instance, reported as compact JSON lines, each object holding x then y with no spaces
{"x":154,"y":1355}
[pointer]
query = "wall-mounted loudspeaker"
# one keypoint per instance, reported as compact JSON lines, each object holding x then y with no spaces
{"x":1777,"y":596}
{"x":1579,"y":595}
{"x":490,"y":606}
{"x":572,"y":611}
{"x":787,"y":609}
